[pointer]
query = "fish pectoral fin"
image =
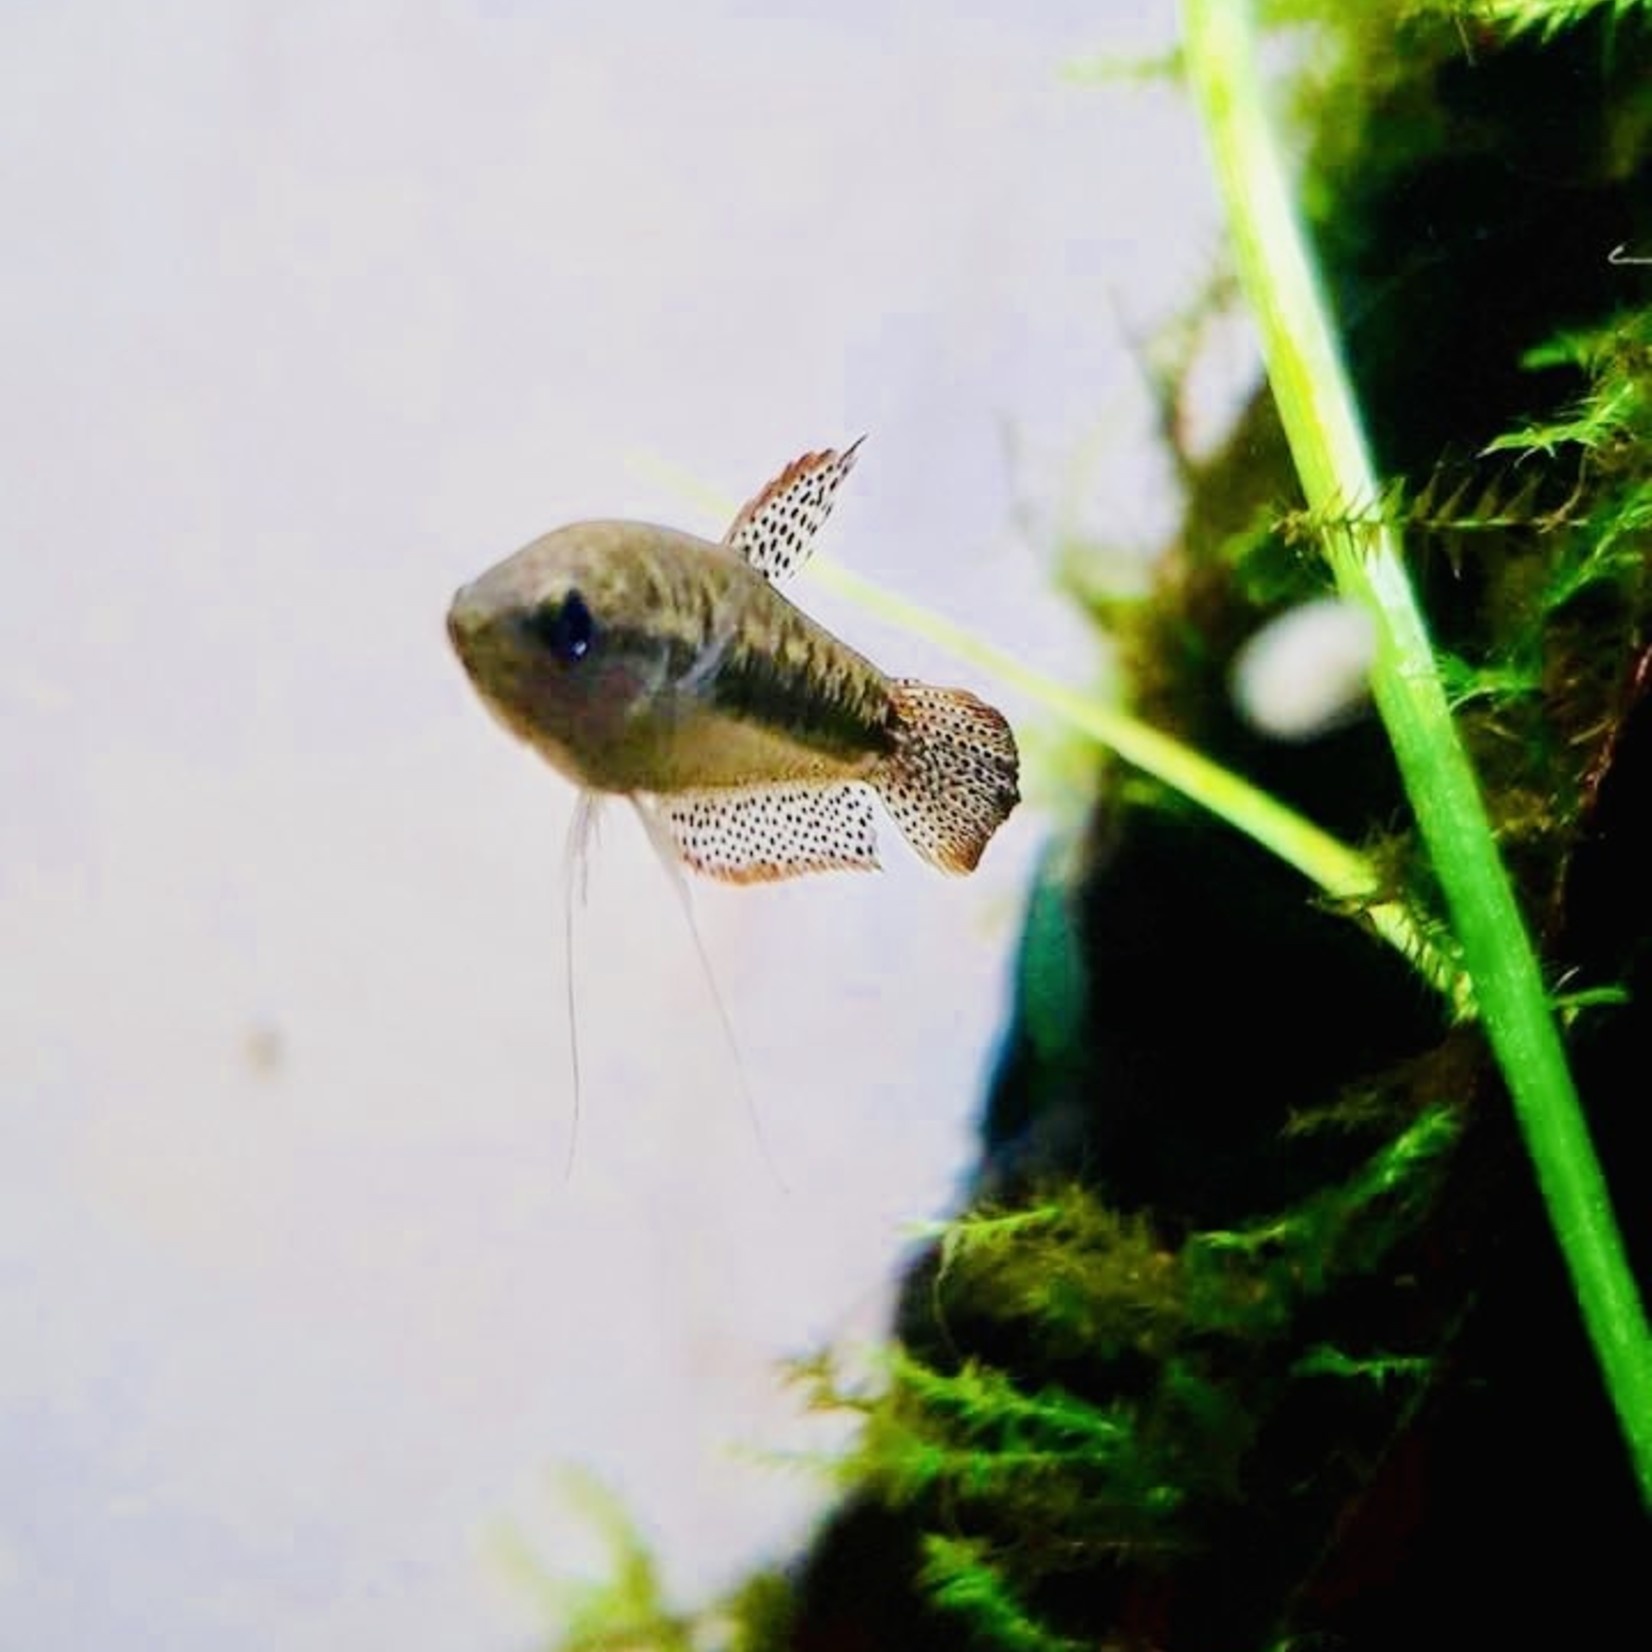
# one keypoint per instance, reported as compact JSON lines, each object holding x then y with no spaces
{"x":775,"y":531}
{"x":708,"y":661}
{"x":759,"y":834}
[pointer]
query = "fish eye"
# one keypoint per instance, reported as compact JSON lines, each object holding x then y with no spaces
{"x":566,"y":628}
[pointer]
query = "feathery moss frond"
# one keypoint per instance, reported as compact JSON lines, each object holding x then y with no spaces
{"x":627,"y":1609}
{"x":1515,"y":18}
{"x":961,"y":1577}
{"x":1381,"y":1370}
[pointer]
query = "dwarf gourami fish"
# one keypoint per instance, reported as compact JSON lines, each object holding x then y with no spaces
{"x":650,"y":663}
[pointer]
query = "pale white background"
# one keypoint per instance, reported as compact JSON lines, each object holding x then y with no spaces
{"x":307,"y":314}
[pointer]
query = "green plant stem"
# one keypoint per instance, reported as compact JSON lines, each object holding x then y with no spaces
{"x":1317,"y":409}
{"x":1341,"y":872}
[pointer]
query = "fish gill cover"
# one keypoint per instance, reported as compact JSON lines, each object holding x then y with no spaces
{"x":1255,"y":1332}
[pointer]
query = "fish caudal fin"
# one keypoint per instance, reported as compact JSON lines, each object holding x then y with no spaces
{"x":758,"y":834}
{"x":951,"y":781}
{"x":775,"y":531}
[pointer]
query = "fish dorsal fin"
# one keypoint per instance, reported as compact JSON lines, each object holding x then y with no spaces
{"x":775,"y":531}
{"x":759,"y":834}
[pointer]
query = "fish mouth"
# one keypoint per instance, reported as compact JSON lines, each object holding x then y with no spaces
{"x":482,"y":639}
{"x":465,"y":622}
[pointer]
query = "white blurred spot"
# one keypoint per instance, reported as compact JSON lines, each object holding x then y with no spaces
{"x":1306,"y":672}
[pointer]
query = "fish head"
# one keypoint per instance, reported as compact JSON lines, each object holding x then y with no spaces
{"x":556,"y":641}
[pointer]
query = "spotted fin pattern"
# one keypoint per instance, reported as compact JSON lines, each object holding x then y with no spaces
{"x":775,"y":531}
{"x":758,"y":834}
{"x":951,"y":781}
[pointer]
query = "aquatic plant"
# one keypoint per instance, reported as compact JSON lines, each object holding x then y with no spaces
{"x":1316,"y":405}
{"x":629,"y":1606}
{"x":1256,"y":1308}
{"x":1278,"y":1415}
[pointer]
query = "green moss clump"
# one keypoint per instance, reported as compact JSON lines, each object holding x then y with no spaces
{"x":1256,"y":1311}
{"x":1176,"y":1362}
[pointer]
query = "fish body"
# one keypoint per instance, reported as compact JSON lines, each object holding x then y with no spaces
{"x":644,"y":661}
{"x":704,"y":674}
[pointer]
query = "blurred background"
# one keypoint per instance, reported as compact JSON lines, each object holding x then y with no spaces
{"x":311,"y":312}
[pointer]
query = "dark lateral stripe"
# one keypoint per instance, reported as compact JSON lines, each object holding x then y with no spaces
{"x":752,"y":687}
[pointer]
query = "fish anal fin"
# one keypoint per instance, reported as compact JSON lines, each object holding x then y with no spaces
{"x":952,"y":779}
{"x":775,"y":530}
{"x":760,"y":834}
